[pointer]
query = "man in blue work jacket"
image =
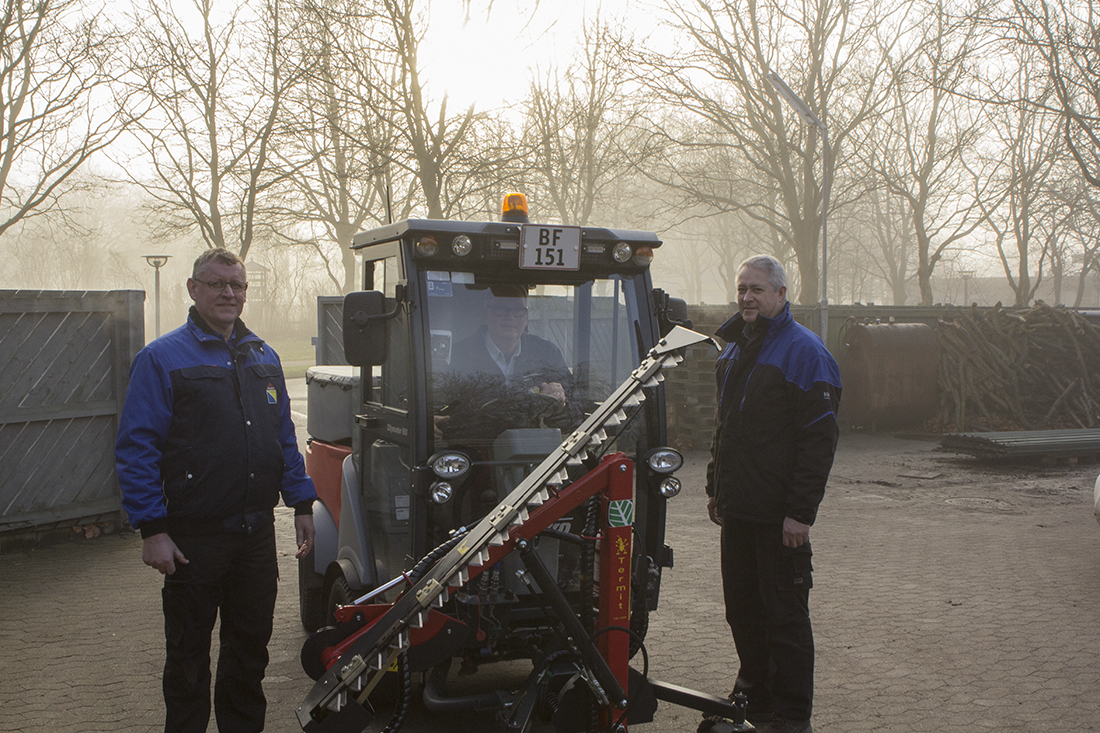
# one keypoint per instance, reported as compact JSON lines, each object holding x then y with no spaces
{"x":205,"y":448}
{"x":775,"y":436}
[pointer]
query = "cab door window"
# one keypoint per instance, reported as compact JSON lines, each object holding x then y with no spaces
{"x":392,"y":377}
{"x":385,"y":473}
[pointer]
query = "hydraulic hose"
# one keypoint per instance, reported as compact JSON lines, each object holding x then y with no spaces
{"x":404,"y":700}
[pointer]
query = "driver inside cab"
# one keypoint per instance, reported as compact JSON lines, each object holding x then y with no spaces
{"x":510,"y":377}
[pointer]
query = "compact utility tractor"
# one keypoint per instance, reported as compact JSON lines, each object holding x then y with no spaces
{"x":497,"y":487}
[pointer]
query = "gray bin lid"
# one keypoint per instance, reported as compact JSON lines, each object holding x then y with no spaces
{"x":345,"y":377}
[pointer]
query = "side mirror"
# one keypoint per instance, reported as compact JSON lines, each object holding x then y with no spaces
{"x":678,"y":311}
{"x":671,"y":312}
{"x":365,"y":322}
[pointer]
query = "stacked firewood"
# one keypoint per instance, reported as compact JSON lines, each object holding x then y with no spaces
{"x":1037,"y":369}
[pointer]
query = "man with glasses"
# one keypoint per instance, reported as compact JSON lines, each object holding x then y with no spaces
{"x":205,"y":448}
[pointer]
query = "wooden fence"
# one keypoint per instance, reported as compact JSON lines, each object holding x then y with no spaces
{"x":64,"y":366}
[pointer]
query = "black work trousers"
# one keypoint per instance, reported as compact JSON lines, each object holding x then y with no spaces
{"x":766,"y":588}
{"x":237,"y":575}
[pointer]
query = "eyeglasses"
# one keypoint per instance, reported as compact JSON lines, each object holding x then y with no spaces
{"x":219,"y":285}
{"x":503,"y":310}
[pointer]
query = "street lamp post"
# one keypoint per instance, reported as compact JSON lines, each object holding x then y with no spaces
{"x":966,"y":275}
{"x":157,"y":262}
{"x":803,"y":111}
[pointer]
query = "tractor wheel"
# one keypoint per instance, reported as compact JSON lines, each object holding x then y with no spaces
{"x":339,"y":594}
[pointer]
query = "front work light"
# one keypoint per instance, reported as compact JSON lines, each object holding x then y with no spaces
{"x":449,"y":465}
{"x":427,"y":247}
{"x":461,"y":245}
{"x":664,"y":460}
{"x":669,"y":487}
{"x":621,"y":252}
{"x":441,"y":492}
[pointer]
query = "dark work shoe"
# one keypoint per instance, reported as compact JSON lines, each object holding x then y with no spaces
{"x":782,"y":725}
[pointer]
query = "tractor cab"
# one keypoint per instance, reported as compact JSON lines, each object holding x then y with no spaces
{"x":481,"y":347}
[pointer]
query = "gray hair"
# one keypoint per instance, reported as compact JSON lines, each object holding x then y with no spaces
{"x":217,"y":254}
{"x":772,"y":267}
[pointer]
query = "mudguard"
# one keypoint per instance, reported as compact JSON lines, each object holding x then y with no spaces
{"x":326,"y":542}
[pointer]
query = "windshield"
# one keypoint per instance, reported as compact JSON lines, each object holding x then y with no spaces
{"x":529,"y":357}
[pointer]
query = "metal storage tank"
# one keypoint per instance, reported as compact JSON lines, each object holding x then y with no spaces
{"x":890,"y":374}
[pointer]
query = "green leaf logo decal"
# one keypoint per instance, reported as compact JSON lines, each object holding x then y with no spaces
{"x":620,"y":513}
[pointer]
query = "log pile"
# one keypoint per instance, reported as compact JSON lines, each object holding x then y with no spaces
{"x":1037,"y":369}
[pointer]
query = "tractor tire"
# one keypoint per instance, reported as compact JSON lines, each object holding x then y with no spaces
{"x":339,"y":594}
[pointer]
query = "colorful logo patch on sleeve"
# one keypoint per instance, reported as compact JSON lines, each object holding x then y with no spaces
{"x":272,"y":395}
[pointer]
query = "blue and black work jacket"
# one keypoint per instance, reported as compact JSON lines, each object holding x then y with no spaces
{"x":205,"y":442}
{"x":775,"y":429}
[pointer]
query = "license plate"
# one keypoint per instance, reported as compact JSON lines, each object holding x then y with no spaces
{"x":550,"y":248}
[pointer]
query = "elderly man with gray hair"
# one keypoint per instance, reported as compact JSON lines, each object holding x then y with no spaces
{"x":775,"y":436}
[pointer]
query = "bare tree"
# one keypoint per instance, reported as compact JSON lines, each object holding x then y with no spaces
{"x":57,"y":61}
{"x":447,"y":169}
{"x":828,"y":52}
{"x":1028,"y":222}
{"x":383,"y":120}
{"x":360,"y":144}
{"x":336,"y":144}
{"x":1064,"y":33}
{"x":928,"y":156}
{"x":216,"y":96}
{"x":1076,"y":253}
{"x":888,"y":246}
{"x":1090,"y":255}
{"x":581,"y":126}
{"x":486,"y":165}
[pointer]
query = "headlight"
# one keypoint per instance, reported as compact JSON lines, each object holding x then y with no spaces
{"x":427,"y":247}
{"x":643,"y":256}
{"x":461,"y":245}
{"x":669,"y":487}
{"x":441,"y":492}
{"x":664,"y":460}
{"x":449,"y":465}
{"x":621,"y":252}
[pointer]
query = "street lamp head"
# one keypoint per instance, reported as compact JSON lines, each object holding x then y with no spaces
{"x":800,"y":107}
{"x":810,"y":118}
{"x":157,"y":261}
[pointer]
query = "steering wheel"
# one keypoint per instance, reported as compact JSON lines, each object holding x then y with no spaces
{"x":533,"y":405}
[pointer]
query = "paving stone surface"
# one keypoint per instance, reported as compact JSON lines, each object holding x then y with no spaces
{"x":949,"y":595}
